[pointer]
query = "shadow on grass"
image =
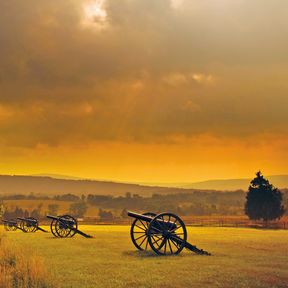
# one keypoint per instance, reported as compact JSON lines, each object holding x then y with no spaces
{"x":65,"y":238}
{"x":148,"y":254}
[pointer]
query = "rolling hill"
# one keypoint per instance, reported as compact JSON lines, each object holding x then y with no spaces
{"x":279,"y":181}
{"x":47,"y":185}
{"x":44,"y":185}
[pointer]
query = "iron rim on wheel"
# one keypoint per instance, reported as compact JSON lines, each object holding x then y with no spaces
{"x":167,"y":234}
{"x":138,"y":232}
{"x":52,"y":228}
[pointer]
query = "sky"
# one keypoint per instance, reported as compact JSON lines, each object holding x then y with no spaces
{"x":144,"y":90}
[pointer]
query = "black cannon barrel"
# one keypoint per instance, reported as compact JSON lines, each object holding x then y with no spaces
{"x":27,"y":220}
{"x":10,"y":222}
{"x":22,"y":219}
{"x":148,"y":219}
{"x":52,"y":217}
{"x":145,"y":218}
{"x":61,"y":219}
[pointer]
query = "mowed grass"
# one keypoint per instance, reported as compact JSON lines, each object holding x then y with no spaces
{"x":241,"y":258}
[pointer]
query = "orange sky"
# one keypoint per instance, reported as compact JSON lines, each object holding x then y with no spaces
{"x":148,"y":91}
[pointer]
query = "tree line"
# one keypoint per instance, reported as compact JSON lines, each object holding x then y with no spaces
{"x":198,"y":203}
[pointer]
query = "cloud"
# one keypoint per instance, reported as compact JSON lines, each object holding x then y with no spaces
{"x":95,"y":15}
{"x":178,"y":78}
{"x":138,"y":71}
{"x":176,"y":4}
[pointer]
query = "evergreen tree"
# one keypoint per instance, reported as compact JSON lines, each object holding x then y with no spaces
{"x":263,"y":201}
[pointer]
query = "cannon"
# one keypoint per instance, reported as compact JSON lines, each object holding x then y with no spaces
{"x":165,"y":233}
{"x":65,"y":226}
{"x":30,"y":225}
{"x":11,"y":225}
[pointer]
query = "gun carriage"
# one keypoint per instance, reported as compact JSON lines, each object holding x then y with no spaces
{"x":165,"y":233}
{"x":30,"y":225}
{"x":11,"y":225}
{"x":65,"y":226}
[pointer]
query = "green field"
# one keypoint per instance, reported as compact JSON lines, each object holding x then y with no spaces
{"x":241,"y":258}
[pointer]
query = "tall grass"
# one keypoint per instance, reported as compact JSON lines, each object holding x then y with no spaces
{"x":20,"y":268}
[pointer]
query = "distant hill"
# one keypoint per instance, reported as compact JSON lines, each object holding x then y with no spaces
{"x":279,"y":181}
{"x":58,"y":176}
{"x":45,"y":185}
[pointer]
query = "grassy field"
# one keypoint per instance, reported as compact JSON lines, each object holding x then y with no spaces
{"x":241,"y":258}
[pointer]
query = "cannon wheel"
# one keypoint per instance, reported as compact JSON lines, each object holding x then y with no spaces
{"x":9,"y":227}
{"x":138,"y":232}
{"x":168,"y":239}
{"x":28,"y":227}
{"x":53,"y":228}
{"x":64,"y":230}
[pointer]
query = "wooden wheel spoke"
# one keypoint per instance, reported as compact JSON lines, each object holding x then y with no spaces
{"x":156,"y":235}
{"x":143,"y":241}
{"x":140,"y":237}
{"x":153,"y":242}
{"x":156,"y":242}
{"x":143,"y":224}
{"x":140,"y":227}
{"x":176,"y":228}
{"x":165,"y":246}
{"x":162,"y":244}
{"x":175,"y":244}
{"x":170,"y":246}
{"x":178,"y":235}
{"x":146,"y":246}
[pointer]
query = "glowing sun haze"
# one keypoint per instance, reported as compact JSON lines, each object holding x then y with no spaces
{"x":144,"y":90}
{"x":95,"y":14}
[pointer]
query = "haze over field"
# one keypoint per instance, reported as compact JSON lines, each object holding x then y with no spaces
{"x":144,"y":91}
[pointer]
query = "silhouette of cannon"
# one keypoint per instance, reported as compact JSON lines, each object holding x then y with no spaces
{"x":165,"y":233}
{"x":65,"y":226}
{"x":11,"y":225}
{"x":30,"y":225}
